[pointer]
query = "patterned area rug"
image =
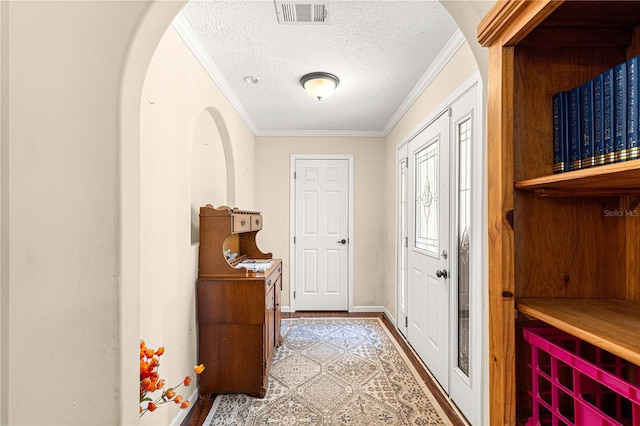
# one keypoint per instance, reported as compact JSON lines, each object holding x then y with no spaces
{"x":335,"y":371}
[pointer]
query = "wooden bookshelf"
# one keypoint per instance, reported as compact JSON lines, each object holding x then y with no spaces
{"x":564,"y":248}
{"x":610,"y":324}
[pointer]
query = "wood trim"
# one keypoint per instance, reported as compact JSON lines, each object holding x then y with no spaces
{"x":501,"y":239}
{"x":508,"y":22}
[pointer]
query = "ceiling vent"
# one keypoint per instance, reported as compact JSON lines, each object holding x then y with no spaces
{"x":302,"y":12}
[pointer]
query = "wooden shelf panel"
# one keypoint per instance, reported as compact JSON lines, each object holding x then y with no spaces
{"x":611,"y":179}
{"x":610,"y":324}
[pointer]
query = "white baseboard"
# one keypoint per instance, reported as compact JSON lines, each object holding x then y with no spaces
{"x":182,"y":414}
{"x":383,"y":309}
{"x":368,"y":309}
{"x":390,"y":317}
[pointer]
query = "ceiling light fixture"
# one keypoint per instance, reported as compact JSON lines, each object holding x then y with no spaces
{"x":251,"y":79}
{"x":319,"y":85}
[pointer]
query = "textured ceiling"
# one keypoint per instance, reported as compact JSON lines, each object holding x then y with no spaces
{"x":382,"y":52}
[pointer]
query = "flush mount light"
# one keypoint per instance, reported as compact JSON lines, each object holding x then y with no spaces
{"x":319,"y":85}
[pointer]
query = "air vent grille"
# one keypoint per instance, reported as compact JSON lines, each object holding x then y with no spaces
{"x":301,"y":12}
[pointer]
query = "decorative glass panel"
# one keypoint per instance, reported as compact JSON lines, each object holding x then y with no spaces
{"x":464,"y":209}
{"x":426,"y":199}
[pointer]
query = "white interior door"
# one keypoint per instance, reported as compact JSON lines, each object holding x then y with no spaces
{"x":321,"y":234}
{"x":403,"y":239}
{"x":428,"y":260}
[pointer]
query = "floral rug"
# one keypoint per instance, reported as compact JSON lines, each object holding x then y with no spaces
{"x":335,"y":371}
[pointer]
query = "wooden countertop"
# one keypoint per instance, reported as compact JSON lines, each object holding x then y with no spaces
{"x":611,"y":324}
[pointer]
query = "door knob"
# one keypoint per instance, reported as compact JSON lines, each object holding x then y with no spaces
{"x":342,"y":241}
{"x":442,"y":274}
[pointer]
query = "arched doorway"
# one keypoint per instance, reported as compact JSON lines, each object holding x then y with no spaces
{"x":151,"y":29}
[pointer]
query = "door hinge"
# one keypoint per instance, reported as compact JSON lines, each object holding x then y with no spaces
{"x":294,"y":294}
{"x":406,"y":321}
{"x":294,"y":175}
{"x":265,"y":364}
{"x":294,"y":240}
{"x":406,"y":242}
{"x":450,"y":112}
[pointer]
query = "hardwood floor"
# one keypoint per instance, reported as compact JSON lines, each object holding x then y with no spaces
{"x":201,"y":408}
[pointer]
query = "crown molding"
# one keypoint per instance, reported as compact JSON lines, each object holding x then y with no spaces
{"x":323,"y":133}
{"x":455,"y":42}
{"x":194,"y":44}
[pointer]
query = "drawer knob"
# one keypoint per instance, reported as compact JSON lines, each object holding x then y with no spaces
{"x":257,"y":221}
{"x":243,"y":222}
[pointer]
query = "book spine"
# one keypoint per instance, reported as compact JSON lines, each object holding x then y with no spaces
{"x":598,"y":136}
{"x":560,"y":163}
{"x":607,"y":116}
{"x":586,"y":124}
{"x":620,"y":115}
{"x":632,"y":109}
{"x":575,"y":139}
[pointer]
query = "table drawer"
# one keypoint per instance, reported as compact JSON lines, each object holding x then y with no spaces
{"x":241,"y":223}
{"x":256,"y":222}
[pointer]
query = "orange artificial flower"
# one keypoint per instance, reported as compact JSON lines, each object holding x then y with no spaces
{"x":153,"y":363}
{"x":150,"y":381}
{"x":147,"y":385}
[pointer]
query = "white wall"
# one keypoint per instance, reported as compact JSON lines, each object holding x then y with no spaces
{"x":60,"y":204}
{"x":185,"y":124}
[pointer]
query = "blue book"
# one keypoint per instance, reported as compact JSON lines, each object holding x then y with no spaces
{"x":632,"y":108}
{"x":586,"y":124}
{"x":598,"y":122}
{"x":620,"y":114}
{"x":560,"y":137}
{"x":607,"y":116}
{"x":575,"y":139}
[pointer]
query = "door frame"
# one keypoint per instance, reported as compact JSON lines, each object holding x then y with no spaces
{"x":292,"y":222}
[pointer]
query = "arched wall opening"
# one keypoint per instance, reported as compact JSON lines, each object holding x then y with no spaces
{"x":212,"y":171}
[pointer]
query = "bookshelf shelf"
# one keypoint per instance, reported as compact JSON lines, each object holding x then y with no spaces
{"x":610,"y":324}
{"x":611,"y":179}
